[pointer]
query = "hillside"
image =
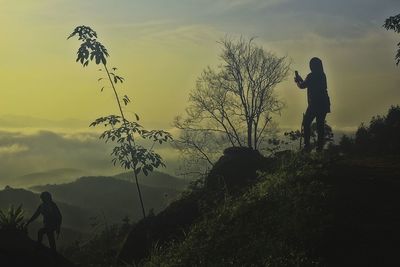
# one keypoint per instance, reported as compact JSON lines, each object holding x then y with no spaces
{"x":304,"y":211}
{"x":112,"y":198}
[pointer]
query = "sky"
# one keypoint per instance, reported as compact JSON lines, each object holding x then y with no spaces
{"x":160,"y":47}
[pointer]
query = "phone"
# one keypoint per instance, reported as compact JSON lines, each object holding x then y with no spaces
{"x":297,"y":77}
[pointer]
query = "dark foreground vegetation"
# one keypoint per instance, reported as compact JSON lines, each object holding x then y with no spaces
{"x":336,"y":208}
{"x":310,"y":211}
{"x":16,"y":249}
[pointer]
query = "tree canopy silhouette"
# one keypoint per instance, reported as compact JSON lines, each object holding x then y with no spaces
{"x":393,"y":23}
{"x":381,"y":136}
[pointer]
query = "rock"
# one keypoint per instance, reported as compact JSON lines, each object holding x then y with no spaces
{"x":236,"y":169}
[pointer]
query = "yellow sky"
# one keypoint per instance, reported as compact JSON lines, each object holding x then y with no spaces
{"x":160,"y":57}
{"x":160,"y":47}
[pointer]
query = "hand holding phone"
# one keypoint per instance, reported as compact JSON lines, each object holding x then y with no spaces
{"x":297,"y":77}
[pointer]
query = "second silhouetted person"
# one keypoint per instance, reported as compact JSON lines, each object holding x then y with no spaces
{"x":51,"y":219}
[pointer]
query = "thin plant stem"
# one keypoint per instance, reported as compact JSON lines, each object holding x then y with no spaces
{"x":129,"y":141}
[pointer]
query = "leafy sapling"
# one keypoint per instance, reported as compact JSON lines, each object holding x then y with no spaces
{"x":125,"y":133}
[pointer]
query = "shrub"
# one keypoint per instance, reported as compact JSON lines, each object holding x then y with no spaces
{"x":12,"y":218}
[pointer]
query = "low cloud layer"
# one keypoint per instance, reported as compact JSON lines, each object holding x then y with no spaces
{"x":13,"y":149}
{"x":22,"y":153}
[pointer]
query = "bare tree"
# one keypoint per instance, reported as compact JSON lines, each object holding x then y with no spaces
{"x":232,"y":104}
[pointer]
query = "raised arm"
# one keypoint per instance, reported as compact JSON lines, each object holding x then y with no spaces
{"x":300,"y":82}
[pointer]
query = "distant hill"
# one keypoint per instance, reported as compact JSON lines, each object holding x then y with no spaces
{"x":109,"y":197}
{"x":156,"y":179}
{"x":58,"y":176}
{"x":76,"y":220}
{"x":67,"y":175}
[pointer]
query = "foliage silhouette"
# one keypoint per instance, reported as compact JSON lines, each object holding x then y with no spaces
{"x":298,"y":135}
{"x":12,"y":218}
{"x":393,"y":23}
{"x":123,"y":132}
{"x":379,"y":137}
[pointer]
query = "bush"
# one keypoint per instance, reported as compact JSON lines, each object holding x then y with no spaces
{"x":12,"y":218}
{"x":379,"y":137}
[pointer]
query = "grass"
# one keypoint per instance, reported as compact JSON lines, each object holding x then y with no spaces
{"x":277,"y":222}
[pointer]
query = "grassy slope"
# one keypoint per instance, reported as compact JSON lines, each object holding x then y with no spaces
{"x":311,"y":212}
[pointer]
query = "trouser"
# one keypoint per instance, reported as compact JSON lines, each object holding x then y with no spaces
{"x":50,"y":236}
{"x":307,"y":120}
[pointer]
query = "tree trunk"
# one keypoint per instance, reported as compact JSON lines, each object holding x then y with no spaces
{"x":249,"y":134}
{"x":255,"y":135}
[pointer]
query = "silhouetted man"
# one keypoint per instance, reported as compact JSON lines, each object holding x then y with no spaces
{"x":51,"y":219}
{"x":318,"y":102}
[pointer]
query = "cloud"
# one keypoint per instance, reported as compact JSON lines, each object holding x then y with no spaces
{"x":251,"y":3}
{"x":10,"y":121}
{"x":12,"y":149}
{"x":23,"y":153}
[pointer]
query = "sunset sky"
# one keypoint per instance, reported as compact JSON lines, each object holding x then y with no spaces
{"x":161,"y":47}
